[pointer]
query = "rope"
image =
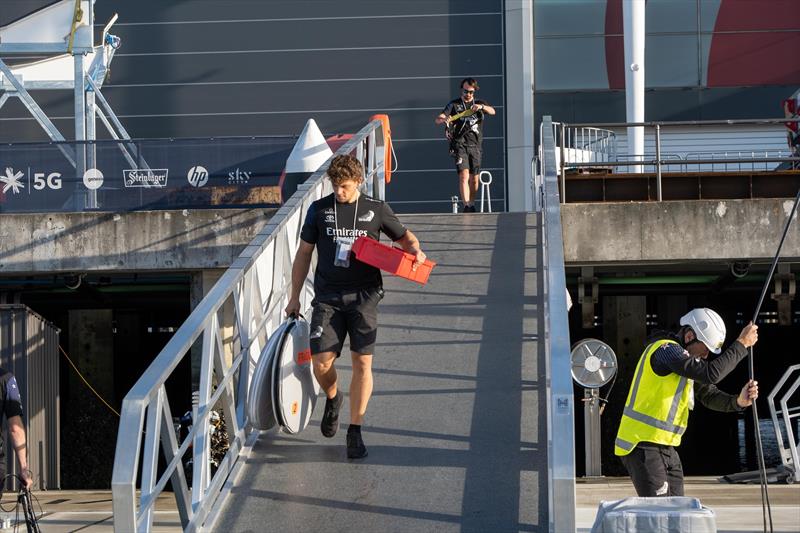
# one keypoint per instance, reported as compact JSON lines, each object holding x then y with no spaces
{"x":86,"y":382}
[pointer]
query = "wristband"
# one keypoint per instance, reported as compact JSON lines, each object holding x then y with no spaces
{"x":21,"y":446}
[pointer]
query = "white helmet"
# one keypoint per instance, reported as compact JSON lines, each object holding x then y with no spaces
{"x":708,"y":327}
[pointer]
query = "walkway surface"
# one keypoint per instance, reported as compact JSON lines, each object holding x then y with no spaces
{"x":455,"y":428}
{"x":737,"y":507}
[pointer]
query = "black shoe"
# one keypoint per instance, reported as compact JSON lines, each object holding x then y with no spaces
{"x":330,"y":419}
{"x":355,"y":446}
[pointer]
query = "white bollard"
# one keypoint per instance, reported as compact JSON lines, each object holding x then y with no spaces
{"x":486,"y":193}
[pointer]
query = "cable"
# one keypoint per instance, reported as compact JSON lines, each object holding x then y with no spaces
{"x":25,"y":500}
{"x":604,"y":401}
{"x":766,"y":508}
{"x":86,"y":382}
{"x":394,"y":156}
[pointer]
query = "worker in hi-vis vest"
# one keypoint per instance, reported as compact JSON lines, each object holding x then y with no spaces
{"x":672,"y":372}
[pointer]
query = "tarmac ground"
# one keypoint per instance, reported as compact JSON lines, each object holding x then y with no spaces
{"x":737,"y":507}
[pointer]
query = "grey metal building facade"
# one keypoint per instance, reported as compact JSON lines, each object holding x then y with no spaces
{"x":29,"y":349}
{"x":198,"y":68}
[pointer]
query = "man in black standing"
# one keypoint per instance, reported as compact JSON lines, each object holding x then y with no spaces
{"x":346,"y":290}
{"x":11,"y":408}
{"x":463,"y":118}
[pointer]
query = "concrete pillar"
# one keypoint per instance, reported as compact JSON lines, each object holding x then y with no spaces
{"x":202,"y":282}
{"x":670,"y":309}
{"x":624,"y":325}
{"x":91,"y":344}
{"x":625,"y":330}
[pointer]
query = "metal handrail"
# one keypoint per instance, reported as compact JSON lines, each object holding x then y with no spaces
{"x":560,"y":402}
{"x":790,"y":448}
{"x":751,"y":121}
{"x":638,"y":162}
{"x":662,"y":161}
{"x":256,"y":284}
{"x":725,"y":157}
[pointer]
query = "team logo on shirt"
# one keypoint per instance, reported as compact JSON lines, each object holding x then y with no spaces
{"x":329,"y":218}
{"x":367,"y":217}
{"x":344,"y":232}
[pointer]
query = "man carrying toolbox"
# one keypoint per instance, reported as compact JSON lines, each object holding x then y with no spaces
{"x":347,"y":291}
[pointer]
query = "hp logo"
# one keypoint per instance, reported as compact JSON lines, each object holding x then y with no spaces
{"x":197,"y":176}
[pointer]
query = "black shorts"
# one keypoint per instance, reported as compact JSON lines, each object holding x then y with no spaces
{"x":467,"y":156}
{"x":351,"y":313}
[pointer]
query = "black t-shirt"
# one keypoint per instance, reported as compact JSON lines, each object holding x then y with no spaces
{"x":324,"y":221}
{"x":10,"y":402}
{"x":469,"y":129}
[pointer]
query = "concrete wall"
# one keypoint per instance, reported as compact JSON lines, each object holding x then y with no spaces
{"x":139,"y":241}
{"x":651,"y":232}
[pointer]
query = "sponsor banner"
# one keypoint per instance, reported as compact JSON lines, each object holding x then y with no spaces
{"x":211,"y":173}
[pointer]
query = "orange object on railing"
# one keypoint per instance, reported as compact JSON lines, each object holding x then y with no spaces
{"x":387,"y":145}
{"x":392,"y":260}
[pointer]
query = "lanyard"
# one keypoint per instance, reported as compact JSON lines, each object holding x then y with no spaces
{"x":336,"y":219}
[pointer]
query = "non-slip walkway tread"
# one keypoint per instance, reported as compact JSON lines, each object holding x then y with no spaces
{"x":456,"y":426}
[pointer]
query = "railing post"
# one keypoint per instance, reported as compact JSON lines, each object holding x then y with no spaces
{"x":658,"y":161}
{"x":563,"y":127}
{"x":371,"y":164}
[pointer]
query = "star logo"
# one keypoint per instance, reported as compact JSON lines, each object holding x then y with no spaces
{"x":11,"y":181}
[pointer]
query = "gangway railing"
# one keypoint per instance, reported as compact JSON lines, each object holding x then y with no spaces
{"x":560,"y":397}
{"x":256,"y":285}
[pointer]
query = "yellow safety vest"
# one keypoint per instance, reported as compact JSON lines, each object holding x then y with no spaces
{"x":657,"y":407}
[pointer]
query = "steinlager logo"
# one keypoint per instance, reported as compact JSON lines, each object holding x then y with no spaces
{"x":150,"y":177}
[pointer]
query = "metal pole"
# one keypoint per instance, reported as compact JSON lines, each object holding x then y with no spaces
{"x":91,"y":148}
{"x":370,"y":166}
{"x":563,"y":164}
{"x":658,"y":161}
{"x":591,"y":426}
{"x":633,"y":22}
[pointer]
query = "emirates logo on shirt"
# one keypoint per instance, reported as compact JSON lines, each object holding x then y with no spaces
{"x":344,"y":232}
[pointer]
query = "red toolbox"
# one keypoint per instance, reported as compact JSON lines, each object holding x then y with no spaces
{"x":391,"y":259}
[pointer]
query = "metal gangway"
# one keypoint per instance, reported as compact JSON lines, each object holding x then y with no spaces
{"x":470,"y":427}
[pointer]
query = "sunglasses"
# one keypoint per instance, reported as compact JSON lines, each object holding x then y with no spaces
{"x":694,"y":341}
{"x":468,"y":91}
